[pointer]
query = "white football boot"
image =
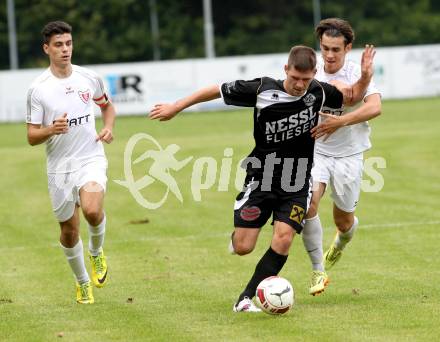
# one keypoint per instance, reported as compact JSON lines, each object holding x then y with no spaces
{"x":245,"y":305}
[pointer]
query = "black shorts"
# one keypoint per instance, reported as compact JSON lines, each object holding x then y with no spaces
{"x":253,"y":207}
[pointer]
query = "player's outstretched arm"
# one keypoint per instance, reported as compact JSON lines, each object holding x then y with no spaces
{"x":108,"y":117}
{"x":367,"y":71}
{"x":166,"y":111}
{"x":368,"y":110}
{"x":36,"y":134}
{"x":371,"y":108}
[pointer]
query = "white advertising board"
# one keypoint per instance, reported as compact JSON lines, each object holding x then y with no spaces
{"x":400,"y":72}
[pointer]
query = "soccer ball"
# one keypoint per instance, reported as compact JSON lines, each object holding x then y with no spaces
{"x":275,"y":295}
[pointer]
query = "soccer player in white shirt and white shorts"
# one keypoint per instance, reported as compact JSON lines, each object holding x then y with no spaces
{"x":342,"y":137}
{"x":60,"y":114}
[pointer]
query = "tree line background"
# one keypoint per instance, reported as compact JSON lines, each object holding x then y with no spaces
{"x":115,"y":31}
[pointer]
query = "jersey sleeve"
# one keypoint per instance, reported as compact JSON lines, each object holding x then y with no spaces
{"x":241,"y":93}
{"x":372,"y":89}
{"x":333,"y":97}
{"x":34,"y":108}
{"x":100,"y":95}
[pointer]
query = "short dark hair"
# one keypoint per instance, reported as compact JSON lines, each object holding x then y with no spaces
{"x":302,"y":58}
{"x":55,"y":27}
{"x":335,"y":27}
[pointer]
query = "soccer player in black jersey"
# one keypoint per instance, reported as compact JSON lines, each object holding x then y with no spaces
{"x":278,"y":168}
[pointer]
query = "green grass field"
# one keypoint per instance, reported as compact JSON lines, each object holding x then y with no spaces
{"x":172,"y":278}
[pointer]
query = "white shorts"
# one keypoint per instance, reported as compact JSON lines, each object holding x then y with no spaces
{"x":344,"y":175}
{"x":64,"y":187}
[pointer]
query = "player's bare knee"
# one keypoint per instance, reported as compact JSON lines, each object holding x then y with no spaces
{"x":243,"y":247}
{"x":243,"y":251}
{"x":93,"y":216}
{"x":283,"y":240}
{"x":344,"y":223}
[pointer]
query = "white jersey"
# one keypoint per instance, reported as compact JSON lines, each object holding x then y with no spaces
{"x":352,"y":139}
{"x":49,"y":98}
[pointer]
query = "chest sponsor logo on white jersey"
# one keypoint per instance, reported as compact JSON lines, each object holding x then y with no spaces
{"x":84,"y":95}
{"x":291,"y":126}
{"x":69,"y":90}
{"x":81,"y":120}
{"x":333,"y":111}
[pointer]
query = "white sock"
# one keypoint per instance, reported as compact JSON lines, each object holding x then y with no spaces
{"x":96,"y":237}
{"x":343,"y":238}
{"x":75,"y":258}
{"x":312,"y":239}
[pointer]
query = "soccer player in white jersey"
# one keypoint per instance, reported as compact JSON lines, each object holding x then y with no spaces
{"x":342,"y":137}
{"x":60,"y":114}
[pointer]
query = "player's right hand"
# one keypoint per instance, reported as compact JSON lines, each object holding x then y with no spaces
{"x":345,"y":89}
{"x":60,"y":125}
{"x":163,"y":112}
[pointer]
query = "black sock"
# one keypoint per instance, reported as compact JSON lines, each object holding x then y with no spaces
{"x":269,"y":265}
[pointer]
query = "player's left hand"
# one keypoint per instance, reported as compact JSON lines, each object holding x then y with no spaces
{"x":367,"y":66}
{"x":105,"y":135}
{"x":329,"y":125}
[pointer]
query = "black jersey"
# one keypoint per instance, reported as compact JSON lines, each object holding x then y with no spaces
{"x":282,"y":122}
